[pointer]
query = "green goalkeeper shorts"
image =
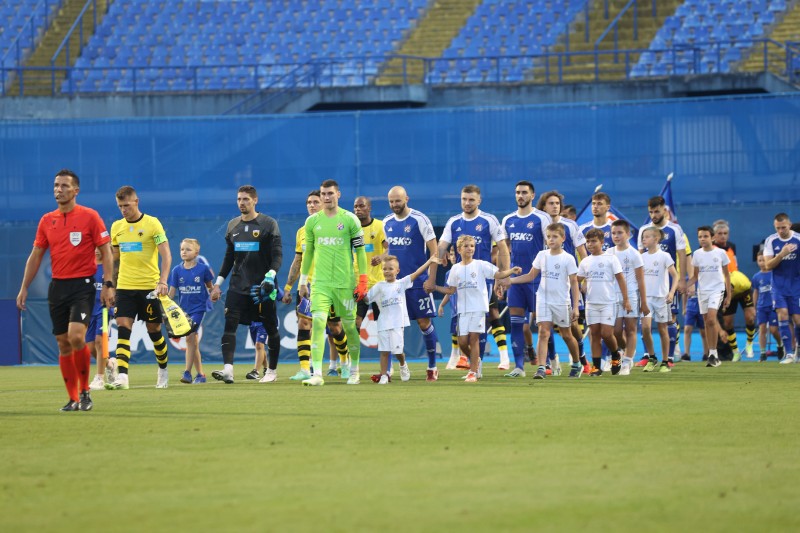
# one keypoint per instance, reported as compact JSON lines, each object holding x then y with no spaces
{"x":323,"y":299}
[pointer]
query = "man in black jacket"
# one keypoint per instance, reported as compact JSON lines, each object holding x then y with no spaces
{"x":253,"y":256}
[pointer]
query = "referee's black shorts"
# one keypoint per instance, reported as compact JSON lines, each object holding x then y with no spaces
{"x":70,"y":300}
{"x":133,"y":303}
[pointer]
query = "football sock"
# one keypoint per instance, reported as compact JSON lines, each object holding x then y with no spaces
{"x":597,"y":361}
{"x":353,"y":343}
{"x":340,"y":341}
{"x":732,"y":340}
{"x":70,"y":375}
{"x":83,"y":366}
{"x":431,"y":339}
{"x":786,"y":333}
{"x":123,"y":349}
{"x":304,"y":349}
{"x":273,"y":351}
{"x":518,"y":340}
{"x":481,"y":345}
{"x":551,"y":347}
{"x":499,"y":334}
{"x":751,"y":333}
{"x":672,"y":332}
{"x":318,"y":340}
{"x":159,"y":347}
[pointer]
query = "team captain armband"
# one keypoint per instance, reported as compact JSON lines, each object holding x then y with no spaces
{"x":355,"y":242}
{"x":159,"y":238}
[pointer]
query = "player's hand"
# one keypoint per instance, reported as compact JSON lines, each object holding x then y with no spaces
{"x":516,"y":270}
{"x":690,"y":291}
{"x":644,"y":309}
{"x":287,"y":297}
{"x":429,"y":285}
{"x":626,"y":304}
{"x":789,"y":248}
{"x":107,"y":296}
{"x":726,"y":303}
{"x":669,"y":299}
{"x":361,"y":289}
{"x":576,"y":314}
{"x":302,"y":291}
{"x":375,"y":261}
{"x":435,"y":260}
{"x":162,"y":288}
{"x":21,"y":297}
{"x":216,"y":292}
{"x":441,"y":311}
{"x":681,"y":285}
{"x":443,"y":260}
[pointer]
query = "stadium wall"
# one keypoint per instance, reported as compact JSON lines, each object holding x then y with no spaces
{"x":736,"y":158}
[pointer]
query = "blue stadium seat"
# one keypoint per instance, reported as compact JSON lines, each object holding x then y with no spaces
{"x":167,"y":33}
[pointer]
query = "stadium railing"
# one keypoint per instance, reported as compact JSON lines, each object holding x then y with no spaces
{"x":271,"y":80}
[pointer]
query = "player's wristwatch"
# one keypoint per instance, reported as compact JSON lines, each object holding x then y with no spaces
{"x":109,"y":284}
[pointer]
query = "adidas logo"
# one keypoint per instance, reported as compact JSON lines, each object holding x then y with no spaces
{"x":83,"y":316}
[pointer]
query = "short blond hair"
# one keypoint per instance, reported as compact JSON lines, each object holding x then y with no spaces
{"x":464,"y":238}
{"x":193,"y":242}
{"x":389,"y":258}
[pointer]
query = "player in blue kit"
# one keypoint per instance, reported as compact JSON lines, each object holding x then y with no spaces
{"x":192,"y":280}
{"x":765,"y":312}
{"x":485,"y":229}
{"x":410,"y":236}
{"x":525,"y":229}
{"x":783,"y":259}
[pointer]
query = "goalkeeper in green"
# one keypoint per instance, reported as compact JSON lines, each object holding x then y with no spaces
{"x":332,"y":235}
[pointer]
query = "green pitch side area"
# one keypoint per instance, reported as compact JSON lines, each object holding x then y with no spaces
{"x":698,"y":449}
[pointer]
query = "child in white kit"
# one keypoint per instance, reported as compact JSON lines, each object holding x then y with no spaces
{"x":390,"y":295}
{"x":468,"y":280}
{"x":602,"y":273}
{"x":714,"y":286}
{"x":557,"y":298}
{"x":633,"y":269}
{"x":658,"y":267}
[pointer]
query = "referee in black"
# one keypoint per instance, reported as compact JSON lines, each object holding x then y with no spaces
{"x":253,"y":257}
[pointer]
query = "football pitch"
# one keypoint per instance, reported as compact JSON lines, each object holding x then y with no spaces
{"x":698,"y":449}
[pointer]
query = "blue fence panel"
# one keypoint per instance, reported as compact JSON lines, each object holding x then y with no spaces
{"x":735,"y":157}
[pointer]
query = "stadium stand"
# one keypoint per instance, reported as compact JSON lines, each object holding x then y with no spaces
{"x":22,"y":24}
{"x":163,"y":45}
{"x":709,"y":36}
{"x":498,"y":39}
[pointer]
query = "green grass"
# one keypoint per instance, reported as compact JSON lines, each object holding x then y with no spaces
{"x":699,"y":449}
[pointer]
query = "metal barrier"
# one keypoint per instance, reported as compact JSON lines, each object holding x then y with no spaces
{"x":65,"y":43}
{"x":269,"y":81}
{"x":615,"y":26}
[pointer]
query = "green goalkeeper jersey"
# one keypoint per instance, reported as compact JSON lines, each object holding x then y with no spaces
{"x":329,"y":244}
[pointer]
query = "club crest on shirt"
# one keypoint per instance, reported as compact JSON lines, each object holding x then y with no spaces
{"x":75,"y":238}
{"x":529,"y":225}
{"x":407,"y":229}
{"x":558,"y":266}
{"x":340,"y":226}
{"x":474,"y":274}
{"x":256,"y":233}
{"x":479,"y":227}
{"x":197,"y":279}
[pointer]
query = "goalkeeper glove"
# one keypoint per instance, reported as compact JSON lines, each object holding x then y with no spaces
{"x":266,"y":290}
{"x":361,"y":289}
